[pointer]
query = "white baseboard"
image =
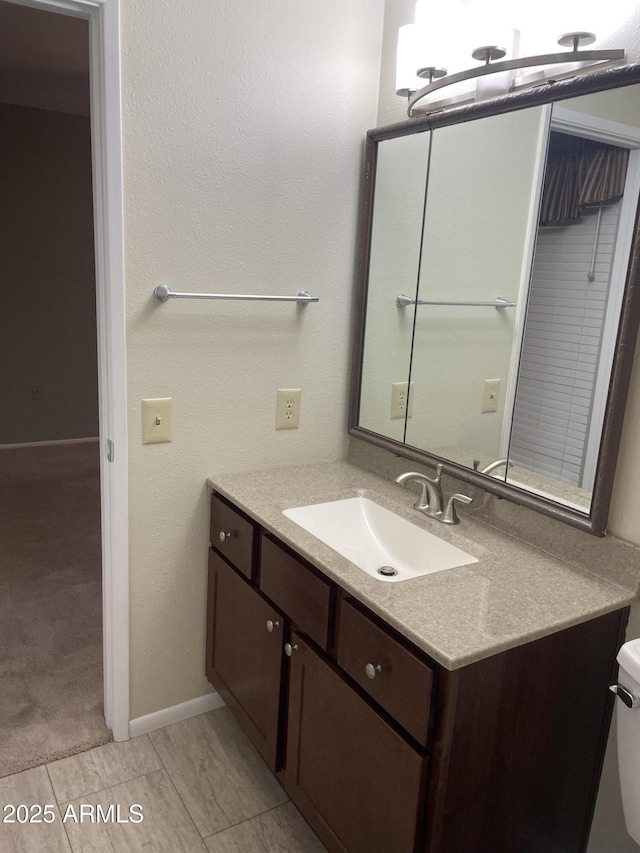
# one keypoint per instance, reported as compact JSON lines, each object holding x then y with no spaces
{"x":48,"y":443}
{"x":160,"y":719}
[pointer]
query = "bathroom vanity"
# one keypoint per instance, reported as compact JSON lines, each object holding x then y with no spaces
{"x":465,"y":711}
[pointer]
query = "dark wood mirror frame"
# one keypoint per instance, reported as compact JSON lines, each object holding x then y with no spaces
{"x":596,"y":521}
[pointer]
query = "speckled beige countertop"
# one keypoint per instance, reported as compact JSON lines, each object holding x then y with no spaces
{"x":513,"y":594}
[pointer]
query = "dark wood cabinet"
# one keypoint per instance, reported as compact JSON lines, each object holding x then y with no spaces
{"x":354,"y":778}
{"x":382,"y":749}
{"x":245,"y":657}
{"x":304,"y":597}
{"x":233,"y":535}
{"x":400,"y":681}
{"x":518,"y":744}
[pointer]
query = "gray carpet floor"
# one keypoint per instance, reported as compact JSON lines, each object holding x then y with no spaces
{"x":51,"y":702}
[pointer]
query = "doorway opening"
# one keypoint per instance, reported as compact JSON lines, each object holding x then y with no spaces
{"x":63,"y":471}
{"x":51,"y":703}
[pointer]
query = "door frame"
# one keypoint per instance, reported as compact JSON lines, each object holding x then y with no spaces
{"x":537,"y":185}
{"x":103,"y":17}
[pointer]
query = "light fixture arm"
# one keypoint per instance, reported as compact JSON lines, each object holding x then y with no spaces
{"x":513,"y":65}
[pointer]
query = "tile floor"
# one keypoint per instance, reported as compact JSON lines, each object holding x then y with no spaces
{"x":201,"y":785}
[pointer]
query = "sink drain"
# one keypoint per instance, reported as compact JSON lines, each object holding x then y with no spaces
{"x":387,"y":571}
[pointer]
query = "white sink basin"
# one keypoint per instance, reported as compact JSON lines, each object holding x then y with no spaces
{"x":374,"y":538}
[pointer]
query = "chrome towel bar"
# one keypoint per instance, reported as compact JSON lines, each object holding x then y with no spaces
{"x":499,"y":302}
{"x":164,"y":293}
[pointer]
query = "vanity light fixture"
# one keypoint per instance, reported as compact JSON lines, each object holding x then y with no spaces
{"x":501,"y":68}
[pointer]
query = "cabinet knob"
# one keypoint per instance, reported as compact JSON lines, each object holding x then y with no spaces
{"x":372,"y":670}
{"x":290,"y":649}
{"x":224,"y":536}
{"x":271,"y":625}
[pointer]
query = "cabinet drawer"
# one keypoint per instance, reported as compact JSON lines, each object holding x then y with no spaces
{"x":239,"y":535}
{"x":402,"y":682}
{"x":292,"y":587}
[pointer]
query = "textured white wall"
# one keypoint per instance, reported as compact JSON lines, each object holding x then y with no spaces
{"x":243,"y":138}
{"x":48,"y":315}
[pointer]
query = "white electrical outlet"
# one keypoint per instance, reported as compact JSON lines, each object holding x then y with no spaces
{"x":490,"y":393}
{"x":399,"y":395}
{"x":288,"y":408}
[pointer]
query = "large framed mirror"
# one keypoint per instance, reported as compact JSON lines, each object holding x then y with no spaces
{"x":498,"y":304}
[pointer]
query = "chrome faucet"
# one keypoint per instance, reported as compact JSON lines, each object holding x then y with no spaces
{"x":450,"y":516}
{"x":431,"y":499}
{"x":497,"y":464}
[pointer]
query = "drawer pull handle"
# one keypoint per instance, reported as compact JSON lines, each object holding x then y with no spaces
{"x":224,"y":536}
{"x":271,"y":625}
{"x":372,"y":670}
{"x":290,"y":649}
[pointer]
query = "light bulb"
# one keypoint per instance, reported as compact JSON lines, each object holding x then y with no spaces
{"x":407,"y":61}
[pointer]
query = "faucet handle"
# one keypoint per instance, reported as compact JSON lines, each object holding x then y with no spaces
{"x":450,"y":515}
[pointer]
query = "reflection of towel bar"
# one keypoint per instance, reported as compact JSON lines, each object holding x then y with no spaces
{"x":163,"y":293}
{"x":499,"y":302}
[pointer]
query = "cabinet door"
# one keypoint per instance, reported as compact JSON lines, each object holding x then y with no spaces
{"x":244,"y":657}
{"x":354,"y":778}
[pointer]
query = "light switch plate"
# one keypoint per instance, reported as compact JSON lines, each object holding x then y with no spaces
{"x":490,"y":393}
{"x":156,"y":420}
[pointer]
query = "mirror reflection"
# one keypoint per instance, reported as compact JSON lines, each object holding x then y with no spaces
{"x":508,"y":240}
{"x":575,"y":293}
{"x":396,"y":234}
{"x":481,"y":193}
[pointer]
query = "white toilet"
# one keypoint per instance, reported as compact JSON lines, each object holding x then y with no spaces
{"x":628,"y":718}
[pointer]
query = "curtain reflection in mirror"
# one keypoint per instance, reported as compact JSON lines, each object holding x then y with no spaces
{"x":580,"y":172}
